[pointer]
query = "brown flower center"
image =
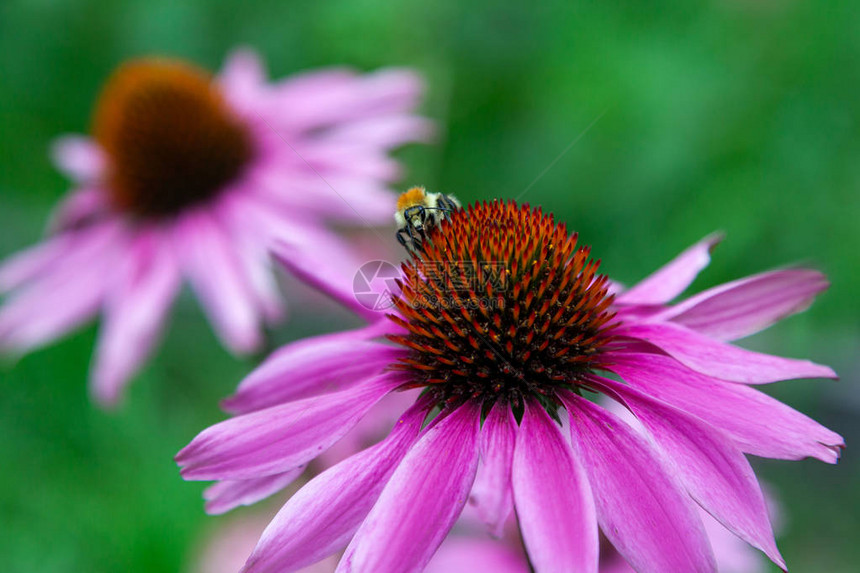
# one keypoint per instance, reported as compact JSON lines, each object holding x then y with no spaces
{"x":500,"y":304}
{"x":170,"y":138}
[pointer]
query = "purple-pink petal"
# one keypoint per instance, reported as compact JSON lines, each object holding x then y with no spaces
{"x":303,"y":87}
{"x":640,"y":507}
{"x":316,"y":365}
{"x":422,"y":500}
{"x":225,"y":495}
{"x":280,"y":438}
{"x":348,"y":97}
{"x":24,"y":324}
{"x":492,"y":493}
{"x":384,"y":131}
{"x":334,"y":279}
{"x":242,"y":79}
{"x":136,"y":310}
{"x":357,"y":159}
{"x":66,"y":294}
{"x":714,"y":471}
{"x":324,"y":514}
{"x":33,"y":262}
{"x":672,"y":279}
{"x":215,"y":274}
{"x":78,"y":157}
{"x":252,"y":252}
{"x":720,"y":359}
{"x":553,"y":498}
{"x":757,"y":423}
{"x":746,"y":306}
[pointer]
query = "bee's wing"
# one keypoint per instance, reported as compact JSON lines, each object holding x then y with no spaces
{"x":448,"y":202}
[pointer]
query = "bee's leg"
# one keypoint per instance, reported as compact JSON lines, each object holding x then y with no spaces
{"x":415,"y":237}
{"x":401,"y":239}
{"x":408,"y":243}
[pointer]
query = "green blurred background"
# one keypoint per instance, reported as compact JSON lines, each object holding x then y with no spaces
{"x":739,"y":115}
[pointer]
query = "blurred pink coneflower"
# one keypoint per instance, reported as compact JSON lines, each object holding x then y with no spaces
{"x":192,"y":177}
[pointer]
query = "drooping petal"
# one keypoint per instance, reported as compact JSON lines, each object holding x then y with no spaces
{"x":33,"y":262}
{"x":225,"y":495}
{"x":136,"y":310}
{"x":492,"y":493}
{"x":67,"y":294}
{"x":757,"y":423}
{"x":376,"y":424}
{"x":280,"y":438}
{"x":68,"y":253}
{"x":253,"y":255}
{"x":421,"y":501}
{"x":641,"y":509}
{"x":720,"y":359}
{"x":714,"y":471}
{"x":78,"y":157}
{"x":333,"y":277}
{"x":261,"y":280}
{"x":746,"y":306}
{"x":37,"y":318}
{"x":216,"y":276}
{"x":253,"y":227}
{"x":322,"y":516}
{"x":554,"y":502}
{"x":672,"y":279}
{"x":316,"y":365}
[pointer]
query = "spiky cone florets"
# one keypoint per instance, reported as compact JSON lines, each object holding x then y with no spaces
{"x":501,"y":304}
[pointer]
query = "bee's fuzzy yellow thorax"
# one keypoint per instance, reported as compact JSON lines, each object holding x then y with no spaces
{"x":414,"y":196}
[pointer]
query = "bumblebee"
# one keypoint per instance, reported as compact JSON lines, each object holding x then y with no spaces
{"x":419,"y":211}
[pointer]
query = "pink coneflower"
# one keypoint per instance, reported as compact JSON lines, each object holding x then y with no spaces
{"x":191,"y":176}
{"x":505,"y":325}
